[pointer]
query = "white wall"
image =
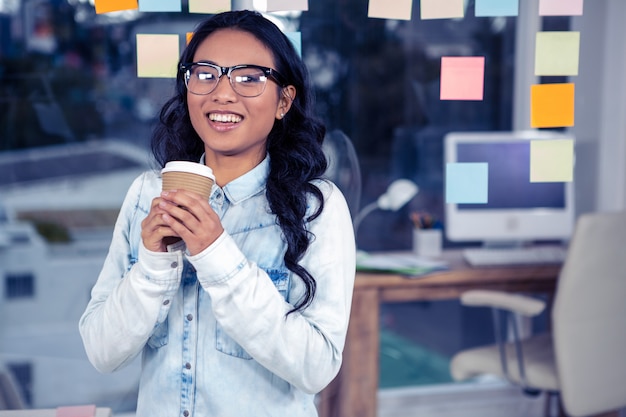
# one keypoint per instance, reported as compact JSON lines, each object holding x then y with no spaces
{"x":600,"y":125}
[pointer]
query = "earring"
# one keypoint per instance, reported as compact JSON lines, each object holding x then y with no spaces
{"x":282,"y":115}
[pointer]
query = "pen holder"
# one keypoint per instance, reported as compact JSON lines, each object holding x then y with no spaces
{"x":427,"y":242}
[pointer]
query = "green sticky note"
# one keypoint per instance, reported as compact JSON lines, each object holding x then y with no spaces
{"x":557,"y":53}
{"x":467,"y":182}
{"x":552,"y":160}
{"x":157,"y":55}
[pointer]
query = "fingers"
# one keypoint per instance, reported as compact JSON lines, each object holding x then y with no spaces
{"x":156,"y":234}
{"x":191,"y":217}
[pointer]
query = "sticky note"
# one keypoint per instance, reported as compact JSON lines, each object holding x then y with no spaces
{"x":496,"y":8}
{"x":296,"y":40}
{"x":467,"y":182}
{"x":76,"y":411}
{"x":209,"y":6}
{"x":557,"y":53}
{"x":157,"y":55}
{"x":462,"y":78}
{"x":552,"y":160}
{"x":385,"y":9}
{"x":107,"y":6}
{"x":552,"y":105}
{"x":188,"y":37}
{"x":560,"y":7}
{"x":287,"y":5}
{"x":160,"y":6}
{"x":441,"y":9}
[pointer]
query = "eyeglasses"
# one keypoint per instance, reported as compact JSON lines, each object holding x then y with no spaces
{"x":246,"y":80}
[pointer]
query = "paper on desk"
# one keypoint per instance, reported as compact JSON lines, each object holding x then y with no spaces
{"x":405,"y":263}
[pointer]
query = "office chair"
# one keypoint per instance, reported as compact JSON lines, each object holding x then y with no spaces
{"x":343,"y":167}
{"x":582,"y":360}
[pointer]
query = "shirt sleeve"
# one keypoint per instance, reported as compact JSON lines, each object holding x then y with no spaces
{"x":129,"y":298}
{"x":304,"y":347}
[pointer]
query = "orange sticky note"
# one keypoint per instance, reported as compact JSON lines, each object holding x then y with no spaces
{"x":462,"y":78}
{"x":107,"y":6}
{"x":188,"y":37}
{"x":552,"y":105}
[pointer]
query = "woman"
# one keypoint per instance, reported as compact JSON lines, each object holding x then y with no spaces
{"x":240,"y":304}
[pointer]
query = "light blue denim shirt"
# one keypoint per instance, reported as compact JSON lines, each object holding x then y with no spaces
{"x":213,"y":328}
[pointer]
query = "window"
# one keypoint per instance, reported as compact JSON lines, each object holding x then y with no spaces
{"x":20,"y":285}
{"x":23,"y":375}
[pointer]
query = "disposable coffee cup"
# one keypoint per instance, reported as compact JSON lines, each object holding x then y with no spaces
{"x":190,"y":176}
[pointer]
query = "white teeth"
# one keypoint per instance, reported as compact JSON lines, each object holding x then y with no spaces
{"x":224,"y":118}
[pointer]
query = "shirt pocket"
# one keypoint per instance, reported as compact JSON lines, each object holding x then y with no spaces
{"x":224,"y":343}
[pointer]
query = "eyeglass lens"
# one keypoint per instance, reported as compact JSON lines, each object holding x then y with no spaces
{"x":247,"y":81}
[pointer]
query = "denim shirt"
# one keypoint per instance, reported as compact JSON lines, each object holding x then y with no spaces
{"x":213,"y":328}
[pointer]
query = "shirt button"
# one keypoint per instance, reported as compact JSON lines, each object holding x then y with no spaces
{"x":186,"y":413}
{"x":189,"y":317}
{"x":187,"y":365}
{"x":166,"y":302}
{"x":174,"y":264}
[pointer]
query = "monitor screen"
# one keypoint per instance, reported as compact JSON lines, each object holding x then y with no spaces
{"x":516,"y":209}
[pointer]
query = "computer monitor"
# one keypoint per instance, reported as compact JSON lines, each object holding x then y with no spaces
{"x":517,"y":210}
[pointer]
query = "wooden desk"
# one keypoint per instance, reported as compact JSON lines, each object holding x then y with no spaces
{"x":353,"y":393}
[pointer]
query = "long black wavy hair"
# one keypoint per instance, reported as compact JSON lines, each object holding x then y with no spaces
{"x":294,"y":143}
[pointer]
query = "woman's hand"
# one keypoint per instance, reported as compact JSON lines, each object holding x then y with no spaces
{"x":155,"y":232}
{"x":185,"y":215}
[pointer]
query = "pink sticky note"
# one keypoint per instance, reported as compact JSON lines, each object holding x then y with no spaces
{"x":560,"y":7}
{"x":462,"y":78}
{"x":77,"y":411}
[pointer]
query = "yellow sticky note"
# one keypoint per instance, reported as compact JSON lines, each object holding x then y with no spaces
{"x":107,"y":6}
{"x":552,"y":105}
{"x":188,"y":37}
{"x":385,"y":9}
{"x":552,"y":160}
{"x":157,"y":55}
{"x":441,"y":9}
{"x":209,"y":7}
{"x":557,"y":53}
{"x":462,"y":78}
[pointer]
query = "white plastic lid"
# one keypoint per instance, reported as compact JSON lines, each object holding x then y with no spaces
{"x":191,"y":167}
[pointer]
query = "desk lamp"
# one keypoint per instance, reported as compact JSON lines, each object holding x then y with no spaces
{"x":397,"y":195}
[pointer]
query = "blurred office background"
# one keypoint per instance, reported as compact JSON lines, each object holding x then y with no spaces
{"x":75,"y":122}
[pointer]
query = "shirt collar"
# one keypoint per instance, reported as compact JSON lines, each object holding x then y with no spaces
{"x":247,"y":185}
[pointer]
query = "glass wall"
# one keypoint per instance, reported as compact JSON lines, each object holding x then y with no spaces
{"x":75,"y":121}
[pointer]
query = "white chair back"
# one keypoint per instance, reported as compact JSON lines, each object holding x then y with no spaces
{"x":589,"y":317}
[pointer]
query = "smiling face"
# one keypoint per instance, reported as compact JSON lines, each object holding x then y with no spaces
{"x":234,"y":129}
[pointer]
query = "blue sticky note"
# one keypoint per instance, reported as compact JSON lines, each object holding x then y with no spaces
{"x":160,"y":6}
{"x":492,"y":8}
{"x":466,"y":182}
{"x":296,"y":40}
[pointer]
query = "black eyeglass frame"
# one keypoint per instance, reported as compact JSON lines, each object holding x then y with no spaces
{"x":270,"y":73}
